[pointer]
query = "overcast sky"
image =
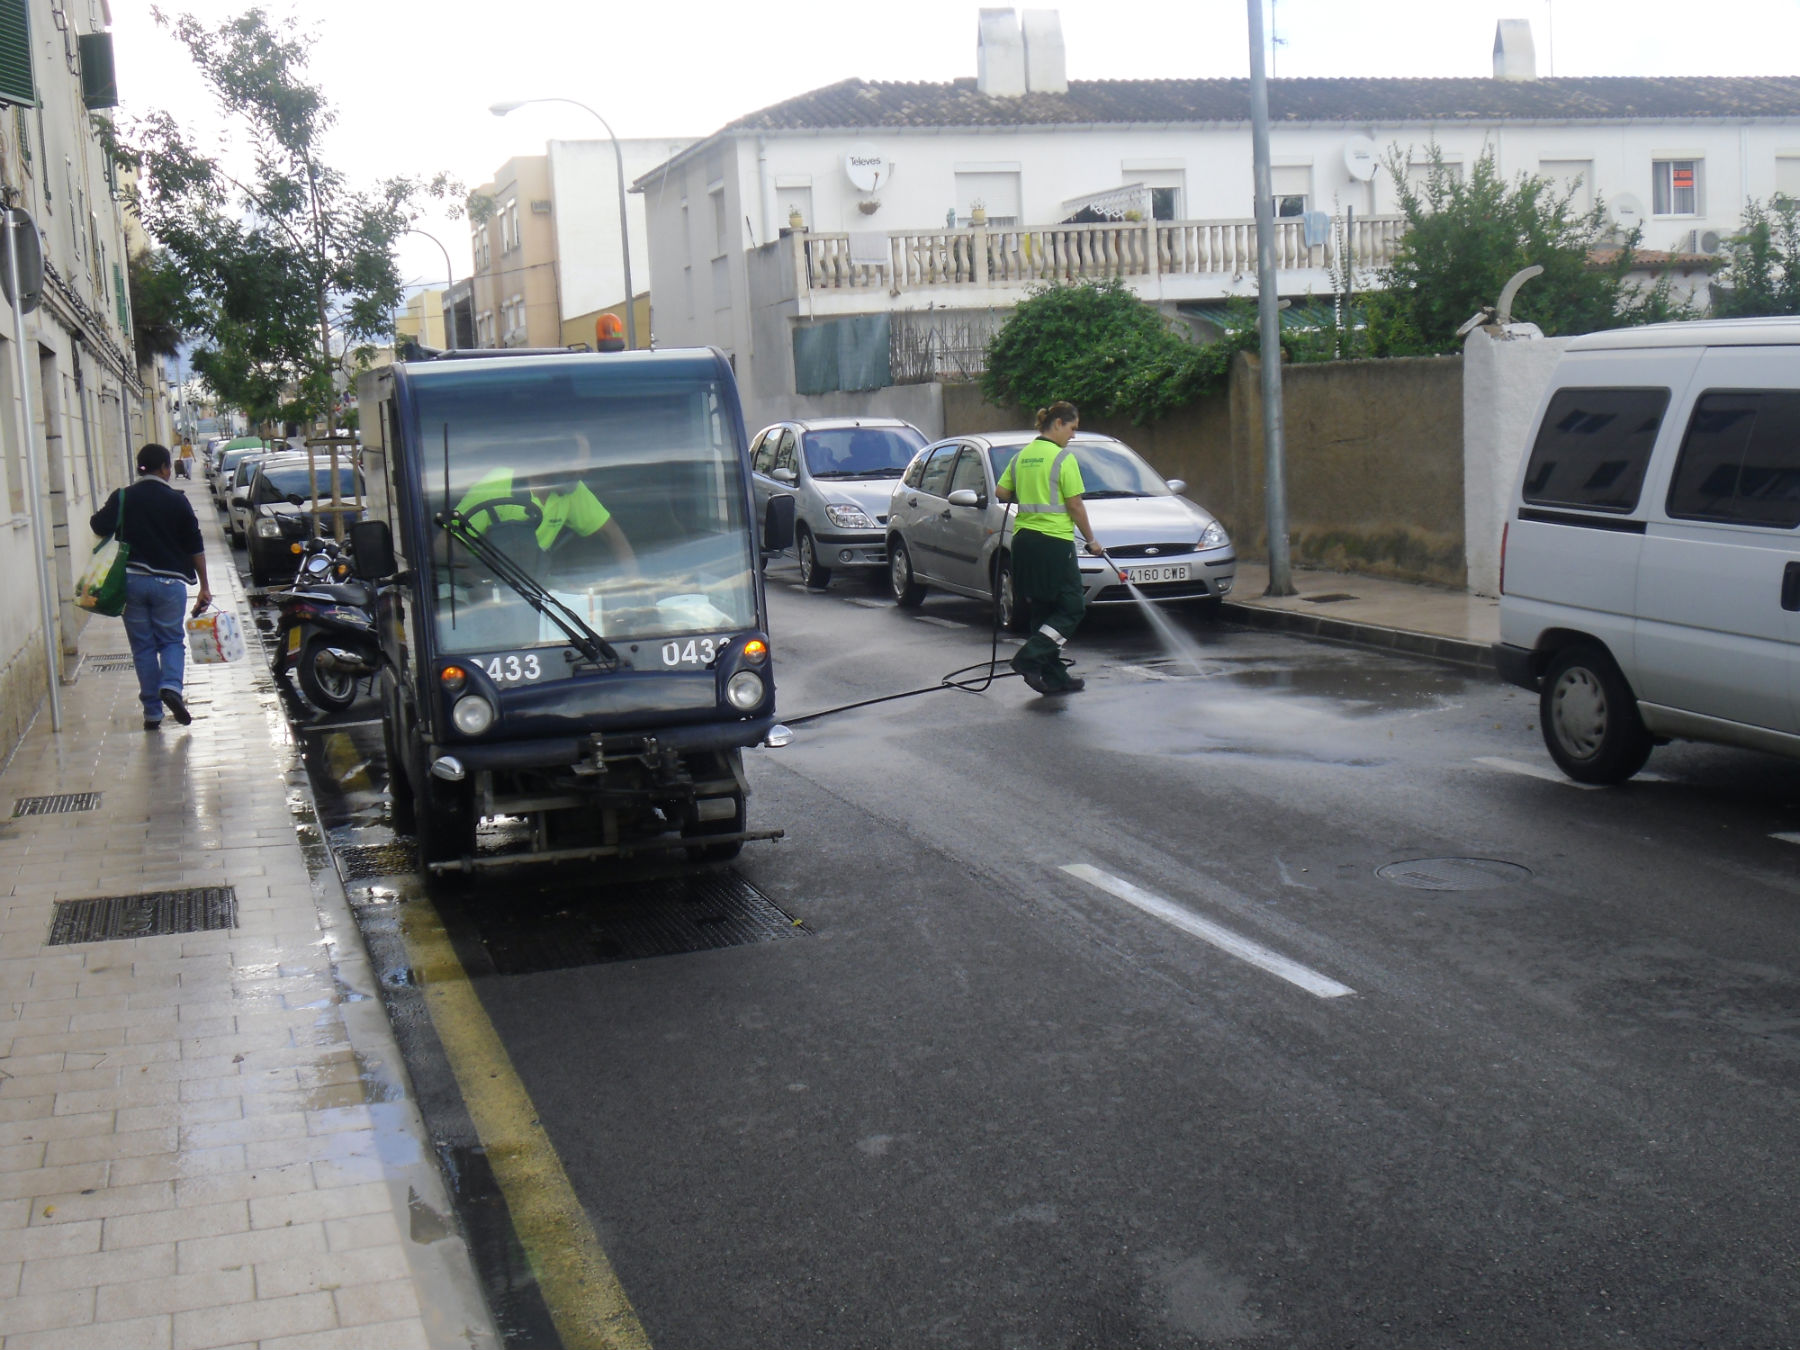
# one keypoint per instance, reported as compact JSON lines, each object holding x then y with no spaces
{"x":412,"y":81}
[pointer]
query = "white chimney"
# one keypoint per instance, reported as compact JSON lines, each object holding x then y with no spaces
{"x":1514,"y":56}
{"x":1046,"y":69}
{"x":1000,"y":55}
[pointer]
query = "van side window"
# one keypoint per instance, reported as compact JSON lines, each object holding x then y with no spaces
{"x":1740,"y":460}
{"x":1593,"y":447}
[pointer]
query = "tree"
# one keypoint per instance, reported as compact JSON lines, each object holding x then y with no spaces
{"x":1760,"y":274}
{"x":158,"y":296}
{"x":1465,"y":238}
{"x":1099,"y":346}
{"x":280,"y":253}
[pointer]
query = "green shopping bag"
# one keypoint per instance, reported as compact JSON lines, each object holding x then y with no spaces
{"x":101,"y":588}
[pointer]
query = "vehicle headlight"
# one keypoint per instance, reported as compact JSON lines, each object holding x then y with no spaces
{"x":1082,"y":550}
{"x":745,"y":690}
{"x":1214,"y":536}
{"x":268,"y":529}
{"x":849,"y":517}
{"x":472,"y":714}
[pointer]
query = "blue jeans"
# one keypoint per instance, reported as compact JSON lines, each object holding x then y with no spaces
{"x":155,"y":611}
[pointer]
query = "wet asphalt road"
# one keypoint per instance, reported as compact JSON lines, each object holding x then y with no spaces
{"x":981,"y":1100}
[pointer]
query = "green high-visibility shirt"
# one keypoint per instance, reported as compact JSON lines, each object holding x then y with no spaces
{"x":577,"y":510}
{"x":1041,"y":478}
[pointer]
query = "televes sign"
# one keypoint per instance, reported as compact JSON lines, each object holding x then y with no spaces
{"x":867,"y":168}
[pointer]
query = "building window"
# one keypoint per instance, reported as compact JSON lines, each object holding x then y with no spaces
{"x":997,"y":190}
{"x":1675,"y":186}
{"x":1787,"y":176}
{"x":721,"y":224}
{"x":1292,"y":188}
{"x":1165,"y":202}
{"x":509,"y":227}
{"x":1573,"y":176}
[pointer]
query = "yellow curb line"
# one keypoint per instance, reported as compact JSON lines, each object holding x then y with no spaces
{"x":586,"y":1301}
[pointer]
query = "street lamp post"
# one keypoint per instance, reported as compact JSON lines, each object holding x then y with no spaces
{"x":502,"y":109}
{"x":449,"y":285}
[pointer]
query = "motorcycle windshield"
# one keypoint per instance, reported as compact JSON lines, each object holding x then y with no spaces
{"x":615,"y":486}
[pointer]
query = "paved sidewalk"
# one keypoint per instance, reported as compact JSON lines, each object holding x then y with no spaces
{"x":1433,"y":621}
{"x":206,"y":1137}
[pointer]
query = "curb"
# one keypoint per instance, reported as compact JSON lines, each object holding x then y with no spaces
{"x":1455,"y":651}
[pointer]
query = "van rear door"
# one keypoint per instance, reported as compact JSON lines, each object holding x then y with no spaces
{"x":1715,"y":576}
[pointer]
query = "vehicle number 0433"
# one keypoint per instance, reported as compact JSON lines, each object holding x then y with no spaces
{"x":692,"y":651}
{"x":513,"y":669}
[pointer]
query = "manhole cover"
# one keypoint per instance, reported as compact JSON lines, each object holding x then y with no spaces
{"x":151,"y":914}
{"x":1454,"y":874}
{"x":53,"y":806}
{"x":637,"y":920}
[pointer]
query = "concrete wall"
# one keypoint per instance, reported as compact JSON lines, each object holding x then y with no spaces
{"x":1503,"y":384}
{"x":1374,"y":461}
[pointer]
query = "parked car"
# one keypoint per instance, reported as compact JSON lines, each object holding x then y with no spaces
{"x":237,"y":493}
{"x":841,"y":472}
{"x":1650,"y":564}
{"x":284,"y":509}
{"x":221,"y":467}
{"x":947,"y":529}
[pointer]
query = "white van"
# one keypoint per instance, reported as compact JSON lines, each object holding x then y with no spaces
{"x":1650,"y":566}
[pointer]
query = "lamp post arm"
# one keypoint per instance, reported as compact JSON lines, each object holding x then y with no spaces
{"x":449,"y":283}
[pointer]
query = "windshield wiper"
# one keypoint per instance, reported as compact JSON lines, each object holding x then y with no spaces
{"x":860,"y":473}
{"x":585,"y":640}
{"x":1110,"y":492}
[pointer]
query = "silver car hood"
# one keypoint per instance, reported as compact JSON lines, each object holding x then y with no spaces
{"x":1147,"y":520}
{"x":871,"y":494}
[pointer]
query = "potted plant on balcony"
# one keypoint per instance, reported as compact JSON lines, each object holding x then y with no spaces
{"x":978,"y":213}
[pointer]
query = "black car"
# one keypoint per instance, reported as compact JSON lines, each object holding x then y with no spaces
{"x":290,"y":500}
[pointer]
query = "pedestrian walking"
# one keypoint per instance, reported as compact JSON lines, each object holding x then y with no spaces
{"x":1046,"y":482}
{"x":167,"y":554}
{"x":184,"y":461}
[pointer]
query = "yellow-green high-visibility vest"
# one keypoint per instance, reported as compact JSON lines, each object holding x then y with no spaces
{"x":1041,"y":478}
{"x":578,"y":510}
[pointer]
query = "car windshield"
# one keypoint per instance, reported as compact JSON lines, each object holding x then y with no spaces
{"x":245,"y":467}
{"x":1111,"y":469}
{"x":617,"y":488}
{"x":296,"y":480}
{"x":860,"y":452}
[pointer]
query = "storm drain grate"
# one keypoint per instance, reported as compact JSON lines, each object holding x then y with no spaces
{"x":151,"y":914}
{"x":360,"y":862}
{"x":112,"y":667}
{"x":636,"y":921}
{"x":56,"y":805}
{"x":1330,"y":598}
{"x":1454,"y":874}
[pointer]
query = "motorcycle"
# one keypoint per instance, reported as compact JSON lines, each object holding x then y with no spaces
{"x":326,"y":629}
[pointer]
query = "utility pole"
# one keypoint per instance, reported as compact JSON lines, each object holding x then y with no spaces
{"x":1268,"y":310}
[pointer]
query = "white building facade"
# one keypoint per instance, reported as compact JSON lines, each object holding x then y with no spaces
{"x":903,"y":199}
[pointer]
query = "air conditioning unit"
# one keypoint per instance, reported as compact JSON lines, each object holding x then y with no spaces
{"x":1699,"y":241}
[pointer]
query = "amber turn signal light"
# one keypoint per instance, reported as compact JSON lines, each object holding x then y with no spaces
{"x":453,"y":678}
{"x":755,"y":650}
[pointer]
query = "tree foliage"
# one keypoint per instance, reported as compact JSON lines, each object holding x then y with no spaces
{"x":158,"y":296}
{"x":288,"y":270}
{"x":1099,"y":346}
{"x":1760,"y":274}
{"x":1465,"y":238}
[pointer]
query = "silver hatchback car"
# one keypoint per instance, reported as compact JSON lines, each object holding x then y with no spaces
{"x":840,"y":470}
{"x":946,"y":528}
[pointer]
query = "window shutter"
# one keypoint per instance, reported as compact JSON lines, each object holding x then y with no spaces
{"x":99,"y":86}
{"x":15,"y":54}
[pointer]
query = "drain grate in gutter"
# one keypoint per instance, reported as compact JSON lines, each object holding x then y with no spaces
{"x":1331,"y":598}
{"x":111,"y":667}
{"x":667,"y":917}
{"x":57,"y":805}
{"x":151,"y":914}
{"x":360,"y":862}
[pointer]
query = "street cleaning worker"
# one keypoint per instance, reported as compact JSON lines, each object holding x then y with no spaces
{"x":1046,"y":482}
{"x":568,"y":509}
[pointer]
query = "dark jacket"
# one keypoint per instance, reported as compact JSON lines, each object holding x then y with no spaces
{"x":160,"y":526}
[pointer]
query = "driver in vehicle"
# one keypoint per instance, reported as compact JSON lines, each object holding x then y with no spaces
{"x":568,"y":510}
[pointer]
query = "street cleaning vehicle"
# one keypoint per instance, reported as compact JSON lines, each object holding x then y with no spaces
{"x":572,"y":617}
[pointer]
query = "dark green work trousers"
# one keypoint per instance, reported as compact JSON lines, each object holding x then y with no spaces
{"x":1047,"y":581}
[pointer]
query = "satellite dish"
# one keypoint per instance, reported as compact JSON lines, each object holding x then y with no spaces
{"x":1627,"y":211}
{"x":1359,"y":158}
{"x":866,"y":167}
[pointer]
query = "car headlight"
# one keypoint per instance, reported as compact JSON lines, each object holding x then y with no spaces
{"x":1082,"y":550}
{"x":472,"y":714}
{"x":745,"y":690}
{"x":849,"y":518}
{"x":268,"y":529}
{"x":1214,"y":536}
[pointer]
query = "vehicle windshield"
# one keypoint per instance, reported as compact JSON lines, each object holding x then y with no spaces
{"x":295,"y":480}
{"x":860,"y":452}
{"x":617,"y":488}
{"x":1110,"y":469}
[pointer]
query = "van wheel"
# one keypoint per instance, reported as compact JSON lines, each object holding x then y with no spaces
{"x":812,"y":576}
{"x":1590,"y":719}
{"x":446,"y":817}
{"x":906,"y":591}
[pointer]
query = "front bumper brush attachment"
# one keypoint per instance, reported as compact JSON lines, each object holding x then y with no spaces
{"x":669,"y":844}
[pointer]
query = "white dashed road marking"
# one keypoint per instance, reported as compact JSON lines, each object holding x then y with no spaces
{"x":1788,"y":836}
{"x":1224,"y":939}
